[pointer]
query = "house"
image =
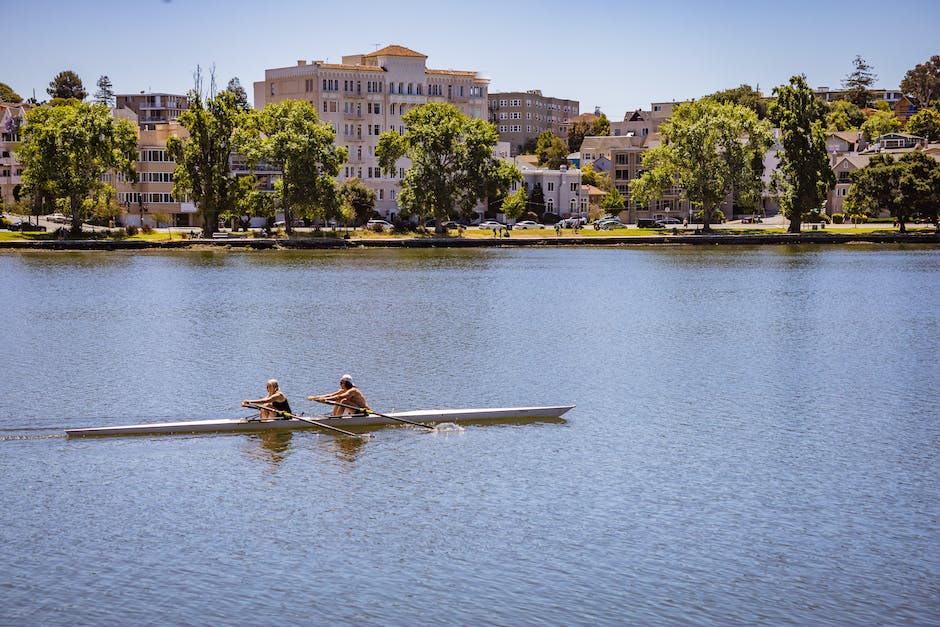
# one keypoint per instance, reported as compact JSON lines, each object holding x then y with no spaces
{"x":12,"y":116}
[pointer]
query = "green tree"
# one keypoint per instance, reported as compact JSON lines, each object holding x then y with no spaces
{"x":241,"y":96}
{"x":105,"y":93}
{"x":613,"y":203}
{"x":249,"y":200}
{"x":590,"y":176}
{"x":858,"y":83}
{"x":904,"y":187}
{"x":514,"y":204}
{"x":581,"y":128}
{"x":923,"y":81}
{"x":360,"y":198}
{"x":289,"y":135}
{"x":452,"y":162}
{"x":551,"y":151}
{"x":535,"y":201}
{"x":600,"y":126}
{"x":202,"y":168}
{"x":804,"y":174}
{"x":880,"y":123}
{"x":744,"y":95}
{"x":67,"y":84}
{"x":709,"y":151}
{"x":8,"y":95}
{"x":925,"y":123}
{"x":67,"y":149}
{"x":844,"y":116}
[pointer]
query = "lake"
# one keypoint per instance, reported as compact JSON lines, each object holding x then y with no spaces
{"x":755,"y":439}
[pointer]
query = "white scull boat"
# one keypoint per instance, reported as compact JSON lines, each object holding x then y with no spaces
{"x":235,"y":425}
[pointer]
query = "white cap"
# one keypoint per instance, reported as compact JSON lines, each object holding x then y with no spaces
{"x":346,"y":377}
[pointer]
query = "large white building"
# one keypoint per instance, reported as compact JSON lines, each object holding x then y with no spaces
{"x":365,"y":96}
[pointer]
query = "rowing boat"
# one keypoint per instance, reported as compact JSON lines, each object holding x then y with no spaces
{"x":235,"y":425}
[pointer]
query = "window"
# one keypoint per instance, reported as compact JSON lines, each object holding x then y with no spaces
{"x":574,"y":187}
{"x":551,"y":186}
{"x":272,"y":89}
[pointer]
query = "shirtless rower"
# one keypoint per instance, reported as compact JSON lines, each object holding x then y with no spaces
{"x":348,"y":394}
{"x":275,"y":401}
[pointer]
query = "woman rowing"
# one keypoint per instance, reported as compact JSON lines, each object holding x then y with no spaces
{"x":347,"y":398}
{"x":275,"y":402}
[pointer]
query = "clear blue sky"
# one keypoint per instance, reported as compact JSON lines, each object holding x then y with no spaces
{"x":618,"y":55}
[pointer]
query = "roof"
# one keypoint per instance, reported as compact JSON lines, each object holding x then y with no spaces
{"x":346,"y":66}
{"x":849,"y":136}
{"x":395,"y":51}
{"x":451,"y":72}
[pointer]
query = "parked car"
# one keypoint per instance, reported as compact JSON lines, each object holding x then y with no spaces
{"x":664,"y":222}
{"x":492,"y":224}
{"x":528,"y":224}
{"x":451,"y":224}
{"x":26,"y":226}
{"x":58,"y":218}
{"x":379,"y":225}
{"x":570,"y":223}
{"x":606,"y":224}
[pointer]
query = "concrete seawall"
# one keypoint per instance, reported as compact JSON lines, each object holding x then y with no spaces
{"x":325,"y":243}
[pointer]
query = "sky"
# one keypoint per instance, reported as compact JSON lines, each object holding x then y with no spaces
{"x":618,"y":56}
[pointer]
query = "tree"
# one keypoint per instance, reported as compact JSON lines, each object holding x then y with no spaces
{"x":709,"y":151}
{"x":746,"y":96}
{"x":359,"y":197}
{"x":590,"y":176}
{"x":8,"y":95}
{"x":514,"y":205}
{"x":581,"y":128}
{"x":241,"y":96}
{"x":804,"y":174}
{"x":67,"y":149}
{"x":289,"y":135}
{"x":925,"y":123}
{"x":551,"y":151}
{"x":67,"y":84}
{"x":613,"y":203}
{"x":919,"y":185}
{"x":844,"y":116}
{"x":105,"y":93}
{"x":202,"y":168}
{"x":452,"y":162}
{"x":880,"y":123}
{"x":535,"y":202}
{"x":923,"y":81}
{"x":858,"y":83}
{"x":904,"y":187}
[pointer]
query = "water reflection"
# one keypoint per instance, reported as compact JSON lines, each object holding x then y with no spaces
{"x":270,"y":446}
{"x":345,"y":448}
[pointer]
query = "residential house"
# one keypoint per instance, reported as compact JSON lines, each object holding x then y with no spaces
{"x":12,"y":116}
{"x":562,"y":187}
{"x":520,"y":117}
{"x":366,"y":95}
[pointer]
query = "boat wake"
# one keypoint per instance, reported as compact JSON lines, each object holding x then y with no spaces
{"x":447,"y":426}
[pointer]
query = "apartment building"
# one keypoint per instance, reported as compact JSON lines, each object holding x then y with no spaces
{"x":11,"y":120}
{"x":642,"y":123}
{"x":366,"y":95}
{"x":561,"y":188}
{"x":150,"y":201}
{"x":521,"y":116}
{"x":153,"y":108}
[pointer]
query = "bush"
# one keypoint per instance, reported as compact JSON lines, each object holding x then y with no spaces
{"x":838,"y":218}
{"x":146,"y":229}
{"x":131,"y":230}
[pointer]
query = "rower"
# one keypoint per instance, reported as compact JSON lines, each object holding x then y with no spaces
{"x":275,"y":401}
{"x":348,"y":394}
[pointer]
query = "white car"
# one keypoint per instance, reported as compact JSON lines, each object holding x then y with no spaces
{"x":379,"y":225}
{"x":491,"y":224}
{"x":58,"y":217}
{"x":528,"y":224}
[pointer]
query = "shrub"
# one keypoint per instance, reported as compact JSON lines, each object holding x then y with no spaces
{"x":838,"y":218}
{"x":131,"y":230}
{"x":146,"y":229}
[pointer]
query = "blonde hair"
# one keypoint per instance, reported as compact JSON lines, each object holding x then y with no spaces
{"x":274,"y":384}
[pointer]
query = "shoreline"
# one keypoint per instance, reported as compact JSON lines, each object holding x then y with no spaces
{"x":329,"y":243}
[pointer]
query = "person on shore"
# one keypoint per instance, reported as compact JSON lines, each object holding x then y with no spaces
{"x":347,"y":394}
{"x":275,"y":402}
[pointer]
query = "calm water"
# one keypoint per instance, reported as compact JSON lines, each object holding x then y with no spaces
{"x":755,"y":440}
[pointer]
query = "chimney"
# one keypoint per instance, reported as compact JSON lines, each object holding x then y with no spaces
{"x":301,"y":62}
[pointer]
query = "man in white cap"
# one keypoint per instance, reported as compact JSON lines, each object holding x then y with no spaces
{"x":347,"y":394}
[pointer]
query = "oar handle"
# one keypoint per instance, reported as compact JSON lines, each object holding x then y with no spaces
{"x":374,"y":413}
{"x":286,"y":414}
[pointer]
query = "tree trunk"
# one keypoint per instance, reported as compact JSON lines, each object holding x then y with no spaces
{"x":75,"y":203}
{"x":796,"y":219}
{"x":706,"y":219}
{"x":902,"y":228}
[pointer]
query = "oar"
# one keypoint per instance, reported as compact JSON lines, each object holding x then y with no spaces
{"x":369,"y":411}
{"x":313,"y":422}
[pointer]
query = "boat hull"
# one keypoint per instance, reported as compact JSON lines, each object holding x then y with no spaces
{"x":252,"y":426}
